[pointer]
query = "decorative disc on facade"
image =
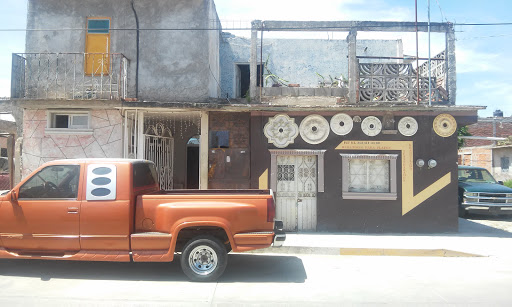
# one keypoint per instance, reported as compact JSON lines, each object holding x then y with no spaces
{"x":445,"y":125}
{"x":408,"y":126}
{"x":341,"y":124}
{"x":314,"y":129}
{"x":281,"y":130}
{"x":371,"y":126}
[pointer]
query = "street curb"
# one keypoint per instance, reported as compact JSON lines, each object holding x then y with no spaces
{"x":362,"y":251}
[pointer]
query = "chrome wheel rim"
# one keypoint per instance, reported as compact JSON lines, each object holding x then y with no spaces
{"x":203,"y":260}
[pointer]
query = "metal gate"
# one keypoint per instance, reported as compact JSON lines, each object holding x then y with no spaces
{"x":159,"y":148}
{"x":296,"y":192}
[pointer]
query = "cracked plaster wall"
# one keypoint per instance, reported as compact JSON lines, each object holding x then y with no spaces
{"x":40,"y":147}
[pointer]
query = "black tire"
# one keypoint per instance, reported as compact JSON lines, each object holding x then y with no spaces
{"x":204,"y":258}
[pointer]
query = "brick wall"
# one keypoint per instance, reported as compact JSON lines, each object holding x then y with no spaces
{"x":481,"y":157}
{"x":485,"y":128}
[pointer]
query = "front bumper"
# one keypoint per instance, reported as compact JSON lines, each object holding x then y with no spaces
{"x":279,"y":234}
{"x":492,"y":209}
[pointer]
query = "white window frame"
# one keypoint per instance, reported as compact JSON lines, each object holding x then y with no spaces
{"x":346,"y":194}
{"x":50,"y":126}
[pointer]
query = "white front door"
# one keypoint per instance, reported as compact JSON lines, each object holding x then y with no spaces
{"x":296,"y":192}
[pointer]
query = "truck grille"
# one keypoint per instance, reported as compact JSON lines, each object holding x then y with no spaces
{"x":488,"y":198}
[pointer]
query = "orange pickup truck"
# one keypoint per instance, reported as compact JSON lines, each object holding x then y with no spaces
{"x":114,"y":210}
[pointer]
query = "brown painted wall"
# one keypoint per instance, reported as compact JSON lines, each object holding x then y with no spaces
{"x":229,"y":168}
{"x":436,"y":214}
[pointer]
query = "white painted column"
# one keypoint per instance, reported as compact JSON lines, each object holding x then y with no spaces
{"x":203,"y":152}
{"x":140,"y":135}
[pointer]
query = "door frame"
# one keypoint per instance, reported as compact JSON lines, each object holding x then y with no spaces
{"x":297,"y":152}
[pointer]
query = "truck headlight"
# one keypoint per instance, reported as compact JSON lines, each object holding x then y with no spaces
{"x":470,"y":194}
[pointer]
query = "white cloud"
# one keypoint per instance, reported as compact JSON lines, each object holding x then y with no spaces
{"x":471,"y":60}
{"x":5,"y":88}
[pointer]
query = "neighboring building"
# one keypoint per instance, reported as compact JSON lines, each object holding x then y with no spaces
{"x":495,"y":156}
{"x":362,"y":153}
{"x":496,"y":159}
{"x":489,"y":127}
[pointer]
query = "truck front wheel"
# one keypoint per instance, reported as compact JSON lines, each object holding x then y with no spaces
{"x":204,"y":258}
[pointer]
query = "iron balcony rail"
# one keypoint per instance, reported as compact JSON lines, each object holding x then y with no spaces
{"x":81,"y":76}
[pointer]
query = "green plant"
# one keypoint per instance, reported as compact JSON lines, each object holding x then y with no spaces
{"x":275,"y":78}
{"x":462,"y":131}
{"x":508,"y":183}
{"x":321,"y":83}
{"x":247,"y":96}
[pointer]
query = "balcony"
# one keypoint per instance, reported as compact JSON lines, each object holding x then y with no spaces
{"x":71,"y":76}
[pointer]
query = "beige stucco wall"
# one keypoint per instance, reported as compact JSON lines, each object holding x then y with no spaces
{"x":40,"y":147}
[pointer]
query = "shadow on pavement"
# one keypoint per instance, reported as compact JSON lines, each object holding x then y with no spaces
{"x":264,"y":268}
{"x":241,"y":268}
{"x":468,"y":228}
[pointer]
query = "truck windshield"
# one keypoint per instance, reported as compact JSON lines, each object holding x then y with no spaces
{"x":475,"y":175}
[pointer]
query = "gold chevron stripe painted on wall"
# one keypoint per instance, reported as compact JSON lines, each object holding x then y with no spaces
{"x":409,"y":200}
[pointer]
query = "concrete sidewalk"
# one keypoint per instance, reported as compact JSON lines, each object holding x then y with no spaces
{"x":472,"y":240}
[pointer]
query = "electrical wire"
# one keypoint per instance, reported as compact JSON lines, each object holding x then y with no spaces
{"x":441,"y":10}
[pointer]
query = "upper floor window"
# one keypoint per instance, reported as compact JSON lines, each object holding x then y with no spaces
{"x":101,"y":26}
{"x":55,"y":181}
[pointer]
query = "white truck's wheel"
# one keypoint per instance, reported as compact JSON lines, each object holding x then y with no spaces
{"x":204,"y":258}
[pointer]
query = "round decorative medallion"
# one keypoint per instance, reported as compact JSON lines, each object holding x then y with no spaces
{"x":371,"y":126}
{"x":314,"y":129}
{"x":281,"y":130}
{"x":341,"y":124}
{"x":445,"y":125}
{"x":408,"y":126}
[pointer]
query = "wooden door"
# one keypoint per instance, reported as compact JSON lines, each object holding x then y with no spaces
{"x":296,"y":192}
{"x":97,"y":46}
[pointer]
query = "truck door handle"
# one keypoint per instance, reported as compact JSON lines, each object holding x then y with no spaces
{"x":299,"y":200}
{"x":73,"y":210}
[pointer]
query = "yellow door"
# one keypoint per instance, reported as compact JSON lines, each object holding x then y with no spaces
{"x":97,"y":46}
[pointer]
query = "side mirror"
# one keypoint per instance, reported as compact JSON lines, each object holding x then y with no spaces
{"x":500,"y":182}
{"x":14,"y":197}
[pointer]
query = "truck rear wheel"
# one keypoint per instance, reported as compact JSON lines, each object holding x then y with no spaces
{"x":204,"y":258}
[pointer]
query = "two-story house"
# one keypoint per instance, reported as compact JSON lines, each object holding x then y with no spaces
{"x":349,"y":135}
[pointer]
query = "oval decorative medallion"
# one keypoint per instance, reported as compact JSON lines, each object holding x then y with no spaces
{"x":371,"y":126}
{"x":408,"y":126}
{"x":314,"y":129}
{"x":341,"y":124}
{"x":445,"y":125}
{"x":281,"y":130}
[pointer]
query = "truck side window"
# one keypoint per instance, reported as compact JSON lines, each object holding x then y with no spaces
{"x":56,"y":181}
{"x":144,"y":174}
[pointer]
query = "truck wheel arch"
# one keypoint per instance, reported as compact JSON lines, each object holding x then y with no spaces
{"x":186,"y":231}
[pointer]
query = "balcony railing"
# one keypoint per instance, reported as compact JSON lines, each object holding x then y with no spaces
{"x":395,"y":83}
{"x":378,"y":83}
{"x":69,"y":76}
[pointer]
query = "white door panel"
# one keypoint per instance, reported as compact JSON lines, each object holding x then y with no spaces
{"x":296,"y":192}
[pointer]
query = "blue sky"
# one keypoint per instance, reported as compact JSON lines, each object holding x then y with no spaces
{"x":483,"y":60}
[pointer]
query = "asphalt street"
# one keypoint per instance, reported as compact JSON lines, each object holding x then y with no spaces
{"x":262,"y":280}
